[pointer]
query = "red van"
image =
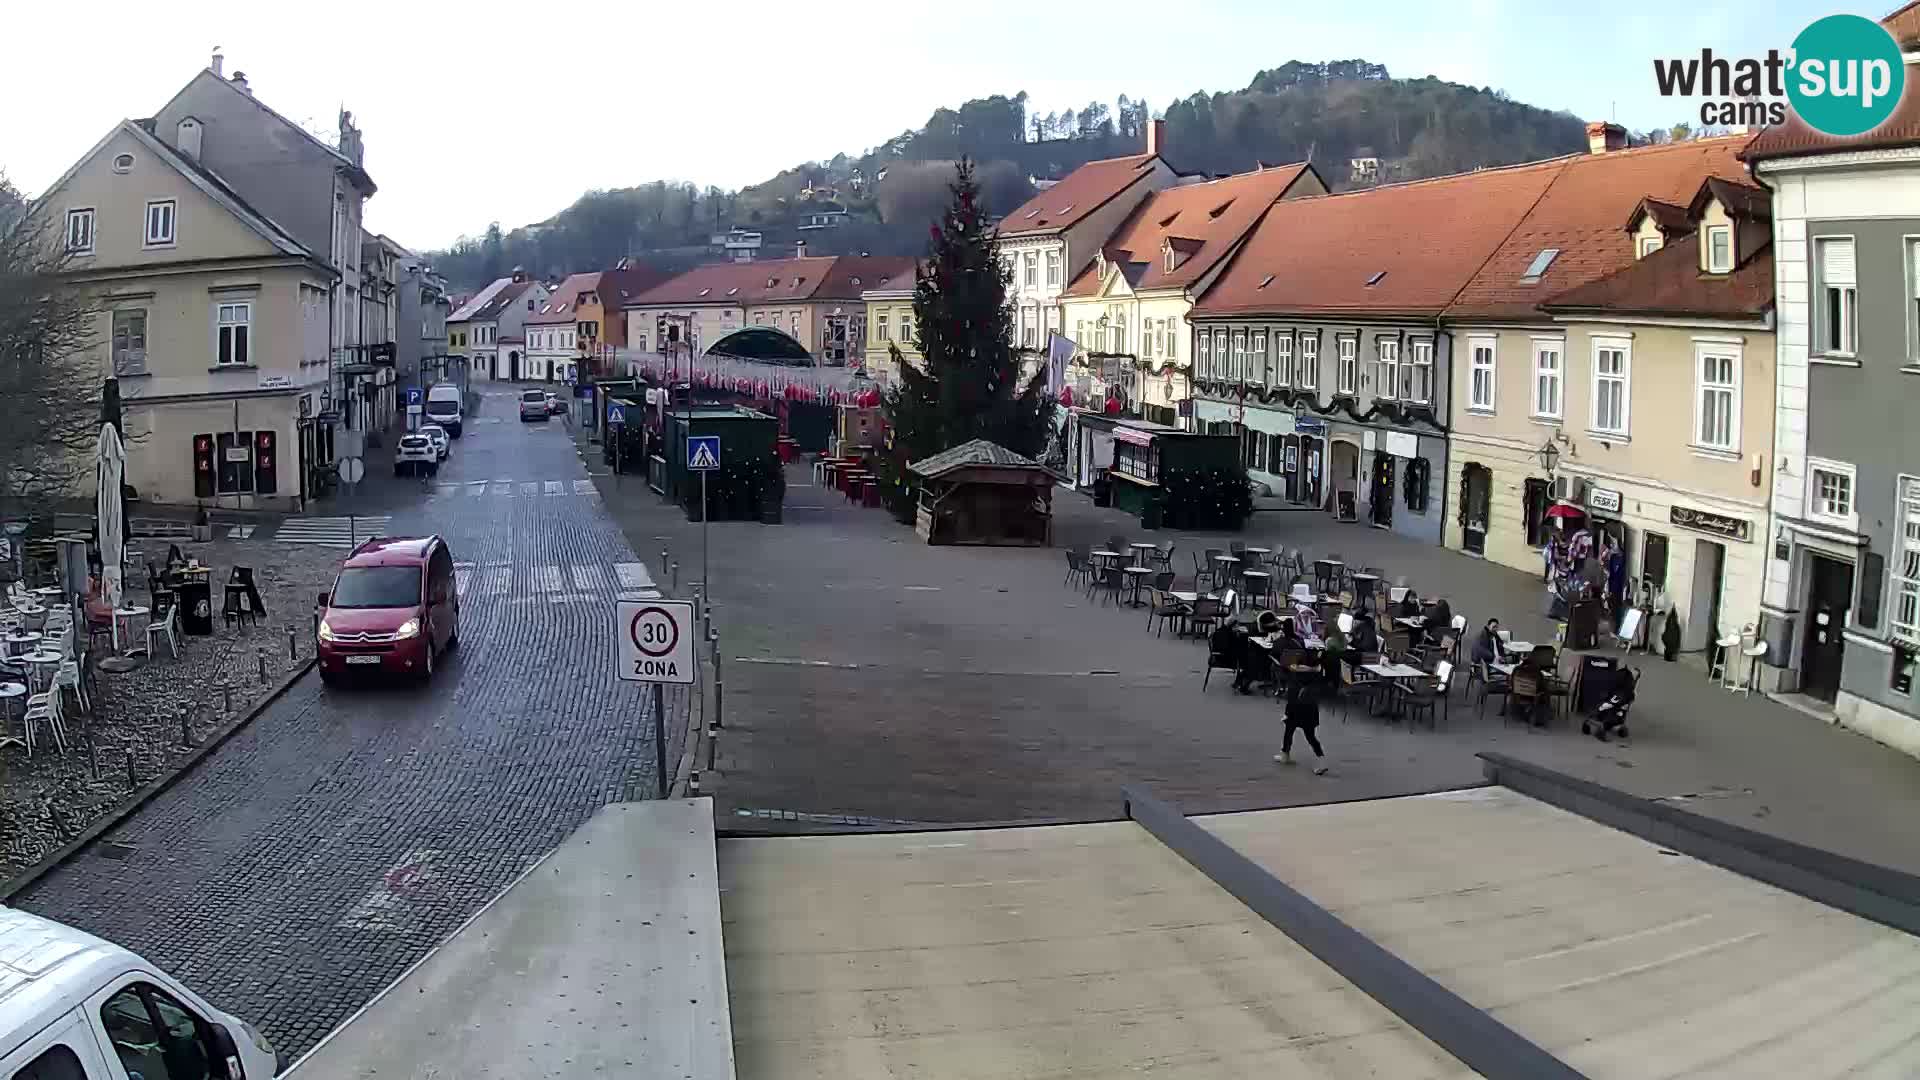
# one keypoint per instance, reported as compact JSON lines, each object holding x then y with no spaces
{"x":393,"y":609}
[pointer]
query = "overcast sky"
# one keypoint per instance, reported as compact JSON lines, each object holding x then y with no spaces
{"x":474,"y":116}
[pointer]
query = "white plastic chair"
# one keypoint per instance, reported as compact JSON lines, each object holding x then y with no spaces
{"x":164,"y":626}
{"x":1754,"y":654}
{"x":45,"y":709}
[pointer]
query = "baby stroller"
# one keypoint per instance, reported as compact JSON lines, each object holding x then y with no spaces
{"x":1610,"y":717}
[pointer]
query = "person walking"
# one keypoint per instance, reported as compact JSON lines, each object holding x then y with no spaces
{"x":1303,"y":715}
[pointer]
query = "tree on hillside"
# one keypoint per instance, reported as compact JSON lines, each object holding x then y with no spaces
{"x":970,"y":387}
{"x":48,"y":375}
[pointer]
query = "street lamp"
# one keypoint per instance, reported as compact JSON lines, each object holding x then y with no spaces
{"x":1549,"y":457}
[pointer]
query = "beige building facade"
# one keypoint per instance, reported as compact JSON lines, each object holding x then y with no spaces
{"x":214,"y":320}
{"x":889,"y":327}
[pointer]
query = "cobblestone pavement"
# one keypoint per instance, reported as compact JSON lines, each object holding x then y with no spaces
{"x":308,"y":861}
{"x":46,"y":799}
{"x":868,"y":674}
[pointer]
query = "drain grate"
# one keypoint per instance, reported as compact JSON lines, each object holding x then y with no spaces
{"x":108,"y":849}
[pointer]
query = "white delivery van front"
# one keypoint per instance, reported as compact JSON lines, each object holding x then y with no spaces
{"x":75,"y":1007}
{"x":445,"y":404}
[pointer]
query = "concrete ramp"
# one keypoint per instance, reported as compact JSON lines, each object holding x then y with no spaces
{"x":604,"y":960}
{"x":1620,"y":957}
{"x":1052,"y":951}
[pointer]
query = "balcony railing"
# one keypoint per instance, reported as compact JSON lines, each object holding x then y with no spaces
{"x":1905,"y":622}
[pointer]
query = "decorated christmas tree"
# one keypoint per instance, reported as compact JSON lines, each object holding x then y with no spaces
{"x":970,"y":387}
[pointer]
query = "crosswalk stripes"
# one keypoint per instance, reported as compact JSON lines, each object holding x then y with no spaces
{"x":589,"y":579}
{"x":340,"y":532}
{"x":531,"y":487}
{"x":240,"y":532}
{"x":633,"y":576}
{"x":629,"y":580}
{"x":499,"y":580}
{"x":584,"y":487}
{"x":547,"y":579}
{"x":477,"y":488}
{"x":502,"y":487}
{"x":553,"y":487}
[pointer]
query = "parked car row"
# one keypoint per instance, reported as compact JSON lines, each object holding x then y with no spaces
{"x":540,"y":404}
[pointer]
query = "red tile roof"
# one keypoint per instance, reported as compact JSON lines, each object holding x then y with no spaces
{"x":562,"y":306}
{"x":1580,"y":216}
{"x":627,"y":280}
{"x":811,"y":278}
{"x":1666,"y":216}
{"x":1669,"y":282}
{"x":1315,"y":255}
{"x":1080,"y":193}
{"x":1201,"y":221}
{"x":1904,"y":25}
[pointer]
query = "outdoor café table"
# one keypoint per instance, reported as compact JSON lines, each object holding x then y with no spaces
{"x":32,"y":616}
{"x":1517,"y":648}
{"x":1417,"y":622}
{"x":50,"y":594}
{"x":42,"y":666}
{"x":130,"y":626}
{"x":13,"y":708}
{"x":21,"y":642}
{"x":1136,"y":576}
{"x":1326,"y":574}
{"x":1259,"y":553}
{"x":1256,"y":582}
{"x":1394,"y":672}
{"x":1103,"y":553}
{"x":1503,"y":668}
{"x":1141,"y":548}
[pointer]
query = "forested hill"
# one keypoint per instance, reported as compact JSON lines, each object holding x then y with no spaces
{"x":1328,"y":113}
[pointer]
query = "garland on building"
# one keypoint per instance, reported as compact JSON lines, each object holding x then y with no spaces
{"x":1215,"y":498}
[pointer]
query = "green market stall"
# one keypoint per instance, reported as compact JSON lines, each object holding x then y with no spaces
{"x":748,"y":485}
{"x":1178,"y":478}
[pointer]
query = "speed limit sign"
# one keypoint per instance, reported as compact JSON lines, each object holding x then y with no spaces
{"x":656,"y":641}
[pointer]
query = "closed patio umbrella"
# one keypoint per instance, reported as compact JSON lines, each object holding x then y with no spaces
{"x":110,"y":461}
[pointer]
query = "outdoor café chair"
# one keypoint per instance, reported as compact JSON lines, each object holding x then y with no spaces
{"x":165,"y":616}
{"x":1490,"y":683}
{"x":1076,"y":567}
{"x":1526,"y":692}
{"x":1118,"y":543}
{"x":1163,"y":607}
{"x":1424,"y":696}
{"x":1215,"y":661}
{"x":44,"y":709}
{"x":1204,"y":614}
{"x":1107,"y":579}
{"x":1202,"y":571}
{"x":1163,"y":556}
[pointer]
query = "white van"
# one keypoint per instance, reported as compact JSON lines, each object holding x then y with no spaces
{"x":74,"y":1007}
{"x":444,"y":406}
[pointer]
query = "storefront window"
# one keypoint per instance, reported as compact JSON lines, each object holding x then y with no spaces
{"x":233,"y":462}
{"x":1416,"y":485}
{"x":1139,"y":462}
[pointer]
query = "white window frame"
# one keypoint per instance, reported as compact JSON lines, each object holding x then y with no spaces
{"x":1283,"y":358}
{"x":170,"y":217}
{"x":233,"y":330}
{"x":1053,"y":268}
{"x":1031,"y":273}
{"x":1476,"y":401}
{"x":1257,"y":353}
{"x":1903,"y":622}
{"x":906,"y":328}
{"x":81,"y":216}
{"x":127,"y":363}
{"x":1651,"y":244}
{"x":1719,"y":232}
{"x":1816,"y":508}
{"x":1220,"y":355}
{"x":1386,"y":367}
{"x":881,"y":330}
{"x":1240,"y":355}
{"x":1171,"y":346}
{"x":1203,"y":353}
{"x":1558,"y":373}
{"x":1624,"y":378}
{"x":1307,"y":375}
{"x":1837,"y":337}
{"x":1704,"y":351}
{"x":1417,"y":373}
{"x":1912,"y":244}
{"x":1346,"y":348}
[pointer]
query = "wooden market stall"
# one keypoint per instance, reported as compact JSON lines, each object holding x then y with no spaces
{"x":983,"y":493}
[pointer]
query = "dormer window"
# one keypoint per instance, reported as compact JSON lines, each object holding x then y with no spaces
{"x":1719,"y":241}
{"x":1648,"y":245}
{"x":1168,"y":252}
{"x":1538,"y":267}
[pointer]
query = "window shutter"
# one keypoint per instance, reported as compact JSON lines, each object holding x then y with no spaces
{"x":1873,"y":571}
{"x":1836,"y":262}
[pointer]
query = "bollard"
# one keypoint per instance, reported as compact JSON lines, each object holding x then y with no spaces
{"x":693,"y":782}
{"x":293,"y":645}
{"x":59,"y":820}
{"x":663,"y":560}
{"x":719,"y":683}
{"x":186,"y":729}
{"x":133,"y":778}
{"x":93,"y":755}
{"x":673,"y":577}
{"x":260,"y":652}
{"x":227,"y":689}
{"x":713,"y":743}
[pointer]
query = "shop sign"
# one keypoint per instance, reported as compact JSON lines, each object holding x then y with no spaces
{"x":1605,"y":500}
{"x":1135,"y":436}
{"x":1732,"y":528}
{"x":1401,"y":443}
{"x":1309,"y":425}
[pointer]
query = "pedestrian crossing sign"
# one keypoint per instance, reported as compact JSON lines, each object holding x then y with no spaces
{"x":703,"y":452}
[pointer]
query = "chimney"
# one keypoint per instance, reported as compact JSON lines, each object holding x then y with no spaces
{"x":1156,"y":136}
{"x":519,"y":273}
{"x":1604,"y":137}
{"x":219,"y":65}
{"x":186,"y":138}
{"x":800,"y":249}
{"x":240,"y":83}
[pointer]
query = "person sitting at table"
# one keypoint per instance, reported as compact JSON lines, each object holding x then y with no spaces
{"x":1334,"y":651}
{"x":1230,"y":643}
{"x":1486,"y":647}
{"x":99,"y":612}
{"x":1254,"y":663}
{"x":1439,"y":620}
{"x":1409,"y":606}
{"x":1365,"y":638}
{"x":1290,"y":639}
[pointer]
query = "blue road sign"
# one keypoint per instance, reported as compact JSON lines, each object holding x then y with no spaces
{"x":413,"y":395}
{"x":703,"y":452}
{"x":616,"y":414}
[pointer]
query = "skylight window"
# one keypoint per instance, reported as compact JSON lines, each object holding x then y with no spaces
{"x":735,"y":291}
{"x":771,"y":282}
{"x":856,"y":281}
{"x":704,"y":292}
{"x":1266,"y":281}
{"x":1538,"y":267}
{"x":1035,"y":212}
{"x":1376,"y":279}
{"x":1066,"y":208}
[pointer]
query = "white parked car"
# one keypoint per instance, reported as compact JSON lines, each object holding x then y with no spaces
{"x":442,"y":445}
{"x":415,"y":454}
{"x":533,"y":405}
{"x":75,"y":1007}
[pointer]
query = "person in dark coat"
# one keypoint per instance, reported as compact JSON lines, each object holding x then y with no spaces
{"x":1439,"y":620}
{"x":1303,"y":715}
{"x":1365,"y":638}
{"x":1486,"y":647}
